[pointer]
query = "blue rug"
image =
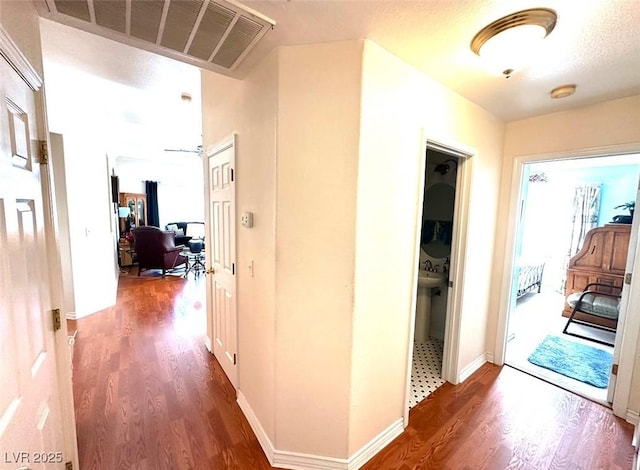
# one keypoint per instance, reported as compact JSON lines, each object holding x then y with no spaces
{"x":584,"y":363}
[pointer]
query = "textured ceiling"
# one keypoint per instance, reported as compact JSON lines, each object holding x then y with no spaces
{"x":596,"y":45}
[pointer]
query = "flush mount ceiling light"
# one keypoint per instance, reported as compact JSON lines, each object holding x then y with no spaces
{"x":510,"y":41}
{"x":563,"y":91}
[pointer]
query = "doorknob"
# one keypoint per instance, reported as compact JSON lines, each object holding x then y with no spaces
{"x":210,"y":271}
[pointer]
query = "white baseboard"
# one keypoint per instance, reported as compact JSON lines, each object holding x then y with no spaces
{"x":376,"y":444}
{"x":301,"y":461}
{"x":208,"y":344}
{"x":254,"y":422}
{"x":466,"y":372}
{"x":633,"y":417}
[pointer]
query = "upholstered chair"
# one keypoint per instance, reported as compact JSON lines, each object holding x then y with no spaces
{"x":156,"y":249}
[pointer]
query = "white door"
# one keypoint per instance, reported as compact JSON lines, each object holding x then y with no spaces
{"x":622,"y":323}
{"x":221,"y":250}
{"x":31,"y":433}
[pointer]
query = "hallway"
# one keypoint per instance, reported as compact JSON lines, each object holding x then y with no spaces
{"x":148,"y":394}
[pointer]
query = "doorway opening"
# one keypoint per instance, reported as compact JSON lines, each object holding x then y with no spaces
{"x":568,"y":208}
{"x":441,"y":182}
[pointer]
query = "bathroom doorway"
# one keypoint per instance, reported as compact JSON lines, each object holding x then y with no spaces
{"x":435,"y":284}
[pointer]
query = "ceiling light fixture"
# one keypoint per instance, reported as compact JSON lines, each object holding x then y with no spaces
{"x":563,"y":91}
{"x":508,"y":42}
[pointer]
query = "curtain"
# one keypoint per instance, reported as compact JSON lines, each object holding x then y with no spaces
{"x":586,"y":207}
{"x":584,"y":217}
{"x":153,"y":216}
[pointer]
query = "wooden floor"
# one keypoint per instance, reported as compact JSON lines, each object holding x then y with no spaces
{"x":148,"y":395}
{"x":501,"y":418}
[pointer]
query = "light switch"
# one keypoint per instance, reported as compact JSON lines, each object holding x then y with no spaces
{"x":247,"y":219}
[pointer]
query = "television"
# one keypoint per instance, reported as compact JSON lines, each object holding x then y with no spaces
{"x":115,"y":189}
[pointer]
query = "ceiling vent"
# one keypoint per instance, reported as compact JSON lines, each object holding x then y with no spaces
{"x":209,"y":33}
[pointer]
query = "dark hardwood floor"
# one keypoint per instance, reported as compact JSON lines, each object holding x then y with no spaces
{"x":148,"y":395}
{"x":501,"y":418}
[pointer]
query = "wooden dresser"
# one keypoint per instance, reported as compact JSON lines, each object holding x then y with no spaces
{"x":602,"y":258}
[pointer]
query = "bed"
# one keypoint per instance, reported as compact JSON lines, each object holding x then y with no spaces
{"x":529,"y":273}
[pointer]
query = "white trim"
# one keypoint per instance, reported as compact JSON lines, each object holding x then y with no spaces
{"x":72,"y":316}
{"x":14,"y":56}
{"x":636,"y":444}
{"x":466,"y":372}
{"x":301,"y":461}
{"x":455,"y":294}
{"x":631,"y":328}
{"x":258,"y":430}
{"x":376,"y":444}
{"x":633,"y":417}
{"x":208,"y":344}
{"x":450,"y":363}
{"x":412,"y":314}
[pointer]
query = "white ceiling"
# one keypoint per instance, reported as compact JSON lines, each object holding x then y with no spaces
{"x":596,"y":45}
{"x":133,"y":97}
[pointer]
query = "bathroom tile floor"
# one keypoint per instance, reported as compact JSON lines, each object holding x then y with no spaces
{"x":426,"y":373}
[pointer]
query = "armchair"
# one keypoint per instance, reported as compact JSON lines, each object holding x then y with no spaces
{"x":598,"y":300}
{"x":156,"y":249}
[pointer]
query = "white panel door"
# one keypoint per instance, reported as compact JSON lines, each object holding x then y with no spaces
{"x":222,"y":255}
{"x":30,"y":418}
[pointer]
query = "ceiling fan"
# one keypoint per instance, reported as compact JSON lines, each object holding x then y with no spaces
{"x":197,"y":150}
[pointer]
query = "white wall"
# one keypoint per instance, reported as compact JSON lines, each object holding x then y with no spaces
{"x":92,"y":228}
{"x":64,"y":238}
{"x":101,"y":104}
{"x":20,"y":21}
{"x":317,"y":161}
{"x":397,"y":104}
{"x":341,"y":212}
{"x":180,"y":184}
{"x":250,"y":109}
{"x":578,"y":132}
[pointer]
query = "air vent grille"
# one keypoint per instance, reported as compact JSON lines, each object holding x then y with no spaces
{"x":111,"y":14}
{"x":210,"y":33}
{"x":77,"y":9}
{"x":214,"y":24}
{"x":145,"y":19}
{"x":242,"y":34}
{"x":179,"y":23}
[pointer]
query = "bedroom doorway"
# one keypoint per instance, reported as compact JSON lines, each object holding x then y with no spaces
{"x":561,"y":202}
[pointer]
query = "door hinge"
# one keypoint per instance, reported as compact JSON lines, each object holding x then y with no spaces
{"x":234,"y":359}
{"x":233,"y":268}
{"x":57,"y":320}
{"x":44,"y":154}
{"x":232,"y":174}
{"x":68,"y":466}
{"x":627,"y":278}
{"x":614,"y":369}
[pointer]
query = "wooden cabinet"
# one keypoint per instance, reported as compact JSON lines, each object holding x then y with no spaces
{"x":602,"y":258}
{"x":137,"y":204}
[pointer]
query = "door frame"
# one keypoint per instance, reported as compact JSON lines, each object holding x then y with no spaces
{"x":630,"y":323}
{"x":220,"y":146}
{"x":63,"y":352}
{"x":451,"y":353}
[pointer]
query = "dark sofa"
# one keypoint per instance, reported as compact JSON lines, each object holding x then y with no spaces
{"x":181,"y":239}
